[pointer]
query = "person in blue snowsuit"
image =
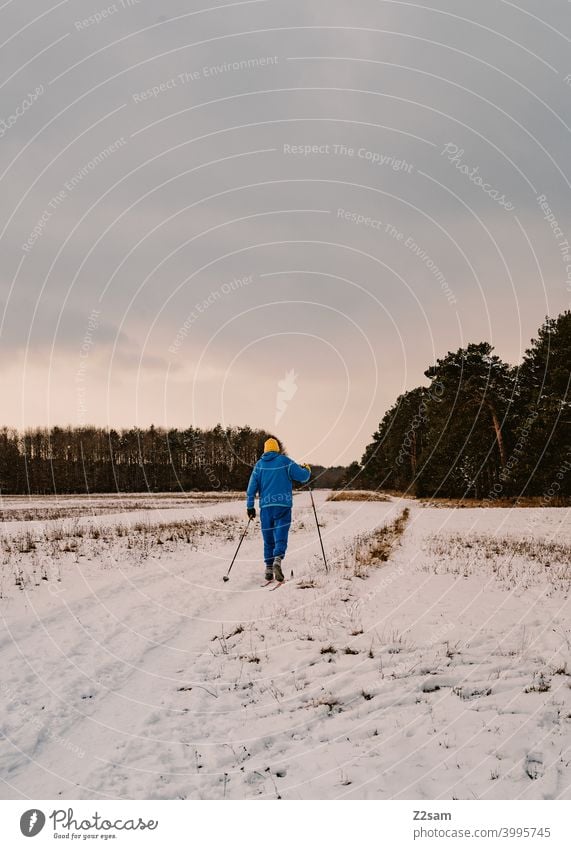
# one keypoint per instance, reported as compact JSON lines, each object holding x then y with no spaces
{"x":272,"y":479}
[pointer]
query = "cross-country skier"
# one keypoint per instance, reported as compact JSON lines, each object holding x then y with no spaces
{"x":272,"y":479}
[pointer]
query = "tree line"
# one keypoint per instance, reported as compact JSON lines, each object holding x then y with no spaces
{"x":62,"y":460}
{"x":92,"y":459}
{"x":481,"y":428}
{"x":45,"y":461}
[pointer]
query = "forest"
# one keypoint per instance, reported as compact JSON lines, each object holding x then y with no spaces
{"x":482,"y":428}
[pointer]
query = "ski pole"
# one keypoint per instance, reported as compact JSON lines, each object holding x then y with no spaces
{"x":318,"y":529}
{"x":226,"y":577}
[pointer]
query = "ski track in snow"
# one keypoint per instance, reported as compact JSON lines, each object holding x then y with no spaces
{"x":431,"y":677}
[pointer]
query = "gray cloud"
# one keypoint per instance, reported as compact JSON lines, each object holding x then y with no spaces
{"x":165,"y":143}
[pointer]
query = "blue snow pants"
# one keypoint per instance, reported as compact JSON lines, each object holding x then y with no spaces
{"x":275,"y":521}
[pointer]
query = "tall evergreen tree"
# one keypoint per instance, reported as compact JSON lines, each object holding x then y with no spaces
{"x":542,"y":421}
{"x":391,"y":460}
{"x":466,"y":446}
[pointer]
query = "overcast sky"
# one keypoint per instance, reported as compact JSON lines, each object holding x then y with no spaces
{"x":273,"y":212}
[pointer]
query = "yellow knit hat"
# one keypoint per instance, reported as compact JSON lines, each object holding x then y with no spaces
{"x":271,"y":445}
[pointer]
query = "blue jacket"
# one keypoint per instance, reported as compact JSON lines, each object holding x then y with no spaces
{"x":272,"y":478}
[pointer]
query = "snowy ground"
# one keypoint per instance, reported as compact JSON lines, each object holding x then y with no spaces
{"x":130,"y":670}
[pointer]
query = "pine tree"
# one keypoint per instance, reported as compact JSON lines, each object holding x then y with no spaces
{"x":542,"y":421}
{"x":466,"y":447}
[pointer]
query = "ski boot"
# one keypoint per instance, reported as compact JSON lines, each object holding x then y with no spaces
{"x":278,"y":574}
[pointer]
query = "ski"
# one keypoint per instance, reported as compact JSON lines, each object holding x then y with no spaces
{"x":277,"y":586}
{"x":267,"y":584}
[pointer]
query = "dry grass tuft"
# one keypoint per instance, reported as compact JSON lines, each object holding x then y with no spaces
{"x":377,"y":547}
{"x":357,"y":495}
{"x":356,"y":558}
{"x":505,"y":503}
{"x":514,"y":561}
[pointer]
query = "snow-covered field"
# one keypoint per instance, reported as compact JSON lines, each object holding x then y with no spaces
{"x":433,"y":661}
{"x":44,"y":507}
